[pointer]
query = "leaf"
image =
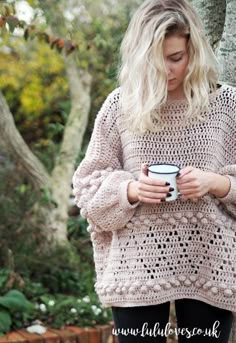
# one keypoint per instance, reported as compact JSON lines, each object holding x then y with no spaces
{"x":53,"y":42}
{"x":61,"y":43}
{"x":2,"y":21}
{"x":4,"y":275}
{"x":14,"y":300}
{"x":69,"y":47}
{"x":22,"y":189}
{"x":43,"y":37}
{"x":12,"y":22}
{"x":5,"y":321}
{"x":7,"y":10}
{"x":26,"y":34}
{"x":22,"y":23}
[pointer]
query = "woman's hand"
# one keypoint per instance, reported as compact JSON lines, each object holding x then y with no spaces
{"x":147,"y":190}
{"x":193,"y":183}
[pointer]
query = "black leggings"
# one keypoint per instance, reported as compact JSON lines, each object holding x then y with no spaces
{"x":197,"y":322}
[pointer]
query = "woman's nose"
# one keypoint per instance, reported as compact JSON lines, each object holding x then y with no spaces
{"x":168,"y":69}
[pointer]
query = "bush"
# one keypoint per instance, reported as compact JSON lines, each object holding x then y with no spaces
{"x":60,"y":311}
{"x":14,"y":309}
{"x":59,"y":284}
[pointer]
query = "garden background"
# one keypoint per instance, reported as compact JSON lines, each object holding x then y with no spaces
{"x":58,"y":62}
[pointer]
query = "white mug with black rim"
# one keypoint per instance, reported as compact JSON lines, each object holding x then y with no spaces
{"x":168,"y":173}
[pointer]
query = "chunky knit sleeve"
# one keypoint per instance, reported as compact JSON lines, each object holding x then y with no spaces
{"x":229,"y":200}
{"x":100,"y":184}
{"x":229,"y":170}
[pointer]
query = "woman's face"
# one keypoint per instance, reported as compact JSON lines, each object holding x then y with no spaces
{"x":176,"y":60}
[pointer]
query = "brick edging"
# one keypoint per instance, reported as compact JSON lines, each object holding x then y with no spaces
{"x":69,"y":334}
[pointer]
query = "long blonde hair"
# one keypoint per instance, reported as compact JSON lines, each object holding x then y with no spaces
{"x":142,"y":74}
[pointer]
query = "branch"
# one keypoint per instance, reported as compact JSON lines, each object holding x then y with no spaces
{"x":9,"y":22}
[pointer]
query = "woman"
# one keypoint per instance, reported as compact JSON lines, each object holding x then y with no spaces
{"x":169,"y":108}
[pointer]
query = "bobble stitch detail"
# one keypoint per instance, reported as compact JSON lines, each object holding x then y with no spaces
{"x":89,"y":229}
{"x":198,"y":284}
{"x":193,"y":278}
{"x":202,"y":281}
{"x":214,"y":290}
{"x":132,"y":289}
{"x":167,"y":285}
{"x":223,"y":286}
{"x":207,"y":285}
{"x":93,"y":235}
{"x":146,"y":221}
{"x":96,"y":173}
{"x":150,"y":283}
{"x":171,"y":221}
{"x":189,"y":215}
{"x":182,"y":278}
{"x":187,"y":283}
{"x":228,"y":292}
{"x":162,"y":282}
{"x":157,"y":288}
{"x":144,"y":289}
{"x":159,"y":221}
{"x":118,"y":290}
{"x":204,"y":221}
{"x":83,"y":212}
{"x":177,"y":215}
{"x":184,"y":220}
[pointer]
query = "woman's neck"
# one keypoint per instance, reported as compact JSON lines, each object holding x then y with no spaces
{"x":177,"y":94}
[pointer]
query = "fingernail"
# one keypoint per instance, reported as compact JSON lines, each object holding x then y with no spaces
{"x":167,"y":184}
{"x":171,"y":189}
{"x":169,"y":195}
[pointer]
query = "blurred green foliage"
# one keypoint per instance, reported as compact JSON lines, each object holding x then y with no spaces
{"x":33,"y":80}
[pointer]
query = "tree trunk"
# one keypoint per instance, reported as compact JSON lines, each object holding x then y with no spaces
{"x":226,"y":53}
{"x":212,"y":13}
{"x":219,"y":19}
{"x":14,"y":144}
{"x":72,"y":140}
{"x":52,"y":218}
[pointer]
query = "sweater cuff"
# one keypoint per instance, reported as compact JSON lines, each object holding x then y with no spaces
{"x":231,"y":195}
{"x":123,"y":196}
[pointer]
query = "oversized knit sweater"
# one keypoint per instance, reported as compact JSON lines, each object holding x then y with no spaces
{"x":149,"y":254}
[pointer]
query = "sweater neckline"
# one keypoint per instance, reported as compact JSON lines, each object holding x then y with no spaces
{"x":183,"y":102}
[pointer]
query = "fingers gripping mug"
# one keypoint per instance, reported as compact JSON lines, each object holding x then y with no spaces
{"x":166,"y":172}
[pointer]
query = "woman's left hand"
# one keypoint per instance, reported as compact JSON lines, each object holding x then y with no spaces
{"x":193,"y":183}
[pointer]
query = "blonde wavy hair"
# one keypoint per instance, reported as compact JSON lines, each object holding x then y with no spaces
{"x":142,"y":74}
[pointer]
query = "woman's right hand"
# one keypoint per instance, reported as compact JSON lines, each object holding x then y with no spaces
{"x":147,"y":190}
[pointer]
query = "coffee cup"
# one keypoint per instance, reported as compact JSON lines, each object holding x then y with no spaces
{"x":166,"y":172}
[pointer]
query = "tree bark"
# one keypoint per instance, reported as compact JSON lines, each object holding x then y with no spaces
{"x":52,"y":218}
{"x":226,"y":53}
{"x":219,"y":19}
{"x":14,"y":144}
{"x":71,"y":144}
{"x":212,"y":13}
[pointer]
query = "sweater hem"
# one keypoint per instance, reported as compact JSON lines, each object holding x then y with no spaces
{"x":173,"y":297}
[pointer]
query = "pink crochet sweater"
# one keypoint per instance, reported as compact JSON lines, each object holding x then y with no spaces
{"x":149,"y":254}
